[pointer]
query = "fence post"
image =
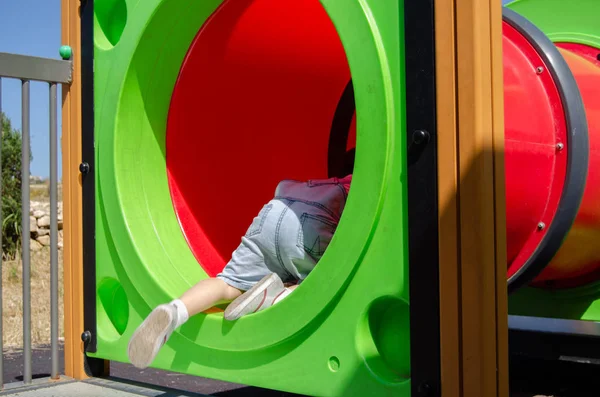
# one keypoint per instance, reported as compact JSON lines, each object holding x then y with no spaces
{"x":53,"y":233}
{"x":25,"y":153}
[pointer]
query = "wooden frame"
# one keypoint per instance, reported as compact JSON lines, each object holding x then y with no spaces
{"x":471,"y":193}
{"x":71,"y":152}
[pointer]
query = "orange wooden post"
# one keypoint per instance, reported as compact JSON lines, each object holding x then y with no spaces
{"x":445,"y":44}
{"x":71,"y":152}
{"x":472,"y":225}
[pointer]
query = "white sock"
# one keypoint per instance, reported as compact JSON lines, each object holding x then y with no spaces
{"x":182,"y":312}
{"x":285,"y":293}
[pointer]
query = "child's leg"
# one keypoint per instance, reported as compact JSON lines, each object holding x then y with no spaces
{"x":242,"y":272}
{"x":206,"y":293}
{"x":155,"y":330}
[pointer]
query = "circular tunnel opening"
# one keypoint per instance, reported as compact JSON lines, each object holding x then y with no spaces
{"x":264,"y":94}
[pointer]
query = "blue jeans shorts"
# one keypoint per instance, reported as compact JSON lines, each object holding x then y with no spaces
{"x":288,"y":237}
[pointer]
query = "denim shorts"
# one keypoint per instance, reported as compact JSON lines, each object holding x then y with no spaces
{"x":289,"y":235}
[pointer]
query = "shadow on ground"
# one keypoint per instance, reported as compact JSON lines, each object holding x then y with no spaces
{"x":529,"y":377}
{"x":41,"y":368}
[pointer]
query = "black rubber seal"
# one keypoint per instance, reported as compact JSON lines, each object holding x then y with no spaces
{"x":339,"y":161}
{"x":577,"y":151}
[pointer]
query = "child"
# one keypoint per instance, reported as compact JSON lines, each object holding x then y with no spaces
{"x":283,"y":244}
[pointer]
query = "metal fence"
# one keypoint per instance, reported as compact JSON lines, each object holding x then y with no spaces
{"x":54,"y":72}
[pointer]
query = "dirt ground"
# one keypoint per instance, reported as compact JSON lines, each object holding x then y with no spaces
{"x":12,"y":300}
{"x":12,"y":290}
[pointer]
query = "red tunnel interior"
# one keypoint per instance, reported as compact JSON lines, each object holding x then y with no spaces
{"x":258,"y":100}
{"x":254,"y":104}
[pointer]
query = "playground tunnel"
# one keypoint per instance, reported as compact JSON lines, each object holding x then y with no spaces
{"x":203,"y":122}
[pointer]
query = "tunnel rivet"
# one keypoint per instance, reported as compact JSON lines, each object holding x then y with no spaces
{"x":539,"y":70}
{"x":560,"y":146}
{"x":541,"y":226}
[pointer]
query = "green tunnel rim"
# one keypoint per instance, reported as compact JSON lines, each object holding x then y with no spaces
{"x":125,"y":169}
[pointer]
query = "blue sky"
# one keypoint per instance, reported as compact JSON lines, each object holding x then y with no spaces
{"x":31,"y":27}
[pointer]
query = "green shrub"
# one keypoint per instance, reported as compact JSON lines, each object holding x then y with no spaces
{"x":11,"y":188}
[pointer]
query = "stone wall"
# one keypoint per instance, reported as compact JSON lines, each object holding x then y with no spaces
{"x":39,"y":224}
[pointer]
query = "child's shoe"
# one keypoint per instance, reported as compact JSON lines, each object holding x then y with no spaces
{"x":264,"y":294}
{"x":151,"y":335}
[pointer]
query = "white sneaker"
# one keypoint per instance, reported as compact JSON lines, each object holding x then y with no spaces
{"x":151,"y":335}
{"x":264,"y":294}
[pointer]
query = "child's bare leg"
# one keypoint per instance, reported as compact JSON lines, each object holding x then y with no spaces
{"x":155,"y":330}
{"x":207,"y":293}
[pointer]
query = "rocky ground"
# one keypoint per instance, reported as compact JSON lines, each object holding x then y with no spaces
{"x":39,"y":225}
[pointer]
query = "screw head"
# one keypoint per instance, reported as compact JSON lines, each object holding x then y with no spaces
{"x":560,"y":146}
{"x":539,"y":70}
{"x":66,"y":52}
{"x":86,"y":336}
{"x":420,"y":136}
{"x":541,"y":226}
{"x":84,"y":168}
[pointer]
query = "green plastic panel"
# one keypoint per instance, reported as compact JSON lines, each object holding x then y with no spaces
{"x":345,"y":330}
{"x":568,"y":21}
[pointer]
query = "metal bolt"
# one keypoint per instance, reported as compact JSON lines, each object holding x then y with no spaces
{"x":84,"y":168}
{"x":420,"y":136}
{"x":539,"y":70}
{"x":541,"y":226}
{"x":560,"y":146}
{"x":86,"y":336}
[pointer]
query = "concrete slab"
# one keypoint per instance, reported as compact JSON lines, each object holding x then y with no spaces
{"x":75,"y":389}
{"x":92,"y":388}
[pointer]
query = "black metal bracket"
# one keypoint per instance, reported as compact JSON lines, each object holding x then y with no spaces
{"x":93,"y":367}
{"x":421,"y":138}
{"x":554,"y":338}
{"x":86,"y":168}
